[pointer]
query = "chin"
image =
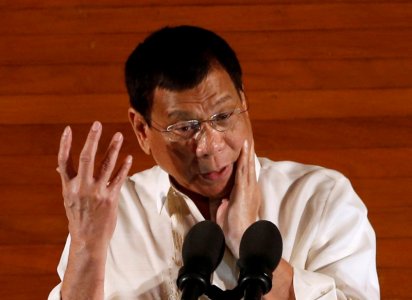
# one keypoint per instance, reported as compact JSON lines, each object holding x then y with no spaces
{"x":215,"y":192}
{"x":219,"y":189}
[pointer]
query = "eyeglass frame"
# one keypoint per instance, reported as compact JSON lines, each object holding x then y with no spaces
{"x":211,"y":120}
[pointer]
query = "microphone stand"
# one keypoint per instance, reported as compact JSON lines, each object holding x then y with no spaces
{"x":255,"y":283}
{"x":192,"y":285}
{"x":192,"y":291}
{"x":253,"y":292}
{"x":215,"y":293}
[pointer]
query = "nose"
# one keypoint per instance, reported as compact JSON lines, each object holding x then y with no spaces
{"x":209,"y":141}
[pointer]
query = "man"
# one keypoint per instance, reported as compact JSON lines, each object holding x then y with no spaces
{"x":189,"y":111}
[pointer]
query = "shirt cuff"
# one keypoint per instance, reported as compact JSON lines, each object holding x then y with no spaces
{"x":55,"y":293}
{"x":310,"y":285}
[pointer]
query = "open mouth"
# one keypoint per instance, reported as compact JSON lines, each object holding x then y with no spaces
{"x":216,"y":175}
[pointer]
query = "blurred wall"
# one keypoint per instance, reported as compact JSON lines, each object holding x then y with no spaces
{"x":329,"y":83}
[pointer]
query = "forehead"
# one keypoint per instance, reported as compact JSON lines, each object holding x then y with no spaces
{"x":215,"y":91}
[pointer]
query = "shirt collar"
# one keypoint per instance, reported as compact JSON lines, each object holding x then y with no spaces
{"x":167,"y":185}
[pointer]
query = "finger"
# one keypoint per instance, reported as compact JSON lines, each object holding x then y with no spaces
{"x":117,"y":181}
{"x":88,"y":154}
{"x":64,"y":158}
{"x":251,"y":162}
{"x":242,"y":164}
{"x":221,"y":214}
{"x":110,"y":158}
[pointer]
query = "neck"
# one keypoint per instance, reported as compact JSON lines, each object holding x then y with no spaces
{"x":207,"y":206}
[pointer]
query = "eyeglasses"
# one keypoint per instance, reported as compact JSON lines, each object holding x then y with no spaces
{"x":188,"y":129}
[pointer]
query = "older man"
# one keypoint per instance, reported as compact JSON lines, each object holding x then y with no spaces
{"x":189,"y":111}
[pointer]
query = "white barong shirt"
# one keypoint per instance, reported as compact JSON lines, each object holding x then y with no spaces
{"x":327,"y":237}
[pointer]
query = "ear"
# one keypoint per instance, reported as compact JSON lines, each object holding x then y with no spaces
{"x":140,"y":128}
{"x":243,"y":98}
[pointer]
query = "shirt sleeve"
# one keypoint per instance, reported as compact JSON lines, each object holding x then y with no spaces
{"x":61,"y":268}
{"x":55,"y":293}
{"x":341,"y":262}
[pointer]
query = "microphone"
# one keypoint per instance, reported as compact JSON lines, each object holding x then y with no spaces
{"x":202,"y":251}
{"x":260,"y":252}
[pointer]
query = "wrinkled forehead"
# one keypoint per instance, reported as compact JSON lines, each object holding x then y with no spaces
{"x":215,"y":92}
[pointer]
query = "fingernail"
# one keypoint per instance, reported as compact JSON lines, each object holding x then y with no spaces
{"x":246,"y":144}
{"x":96,"y":125}
{"x":129,"y":159}
{"x":118,"y":137}
{"x":66,"y":130}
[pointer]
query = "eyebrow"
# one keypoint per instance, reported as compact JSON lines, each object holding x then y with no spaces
{"x":181,"y":114}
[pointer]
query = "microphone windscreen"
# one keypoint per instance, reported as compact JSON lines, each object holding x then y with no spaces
{"x":261,"y":246}
{"x":203,"y":247}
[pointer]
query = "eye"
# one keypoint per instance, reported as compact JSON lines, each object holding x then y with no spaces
{"x":185,"y":128}
{"x":222,"y":117}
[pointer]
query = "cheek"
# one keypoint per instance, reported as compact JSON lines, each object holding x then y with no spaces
{"x":236,"y":137}
{"x":181,"y":155}
{"x":234,"y":142}
{"x":175,"y":159}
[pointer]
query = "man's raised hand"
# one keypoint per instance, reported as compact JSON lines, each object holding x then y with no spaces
{"x":91,"y":194}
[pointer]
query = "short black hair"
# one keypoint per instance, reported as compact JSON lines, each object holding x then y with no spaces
{"x":176,"y":59}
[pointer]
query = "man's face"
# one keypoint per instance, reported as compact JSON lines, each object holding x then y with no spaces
{"x":203,"y":164}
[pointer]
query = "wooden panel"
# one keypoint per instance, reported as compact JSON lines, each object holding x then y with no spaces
{"x":329,"y":104}
{"x":370,"y":163}
{"x":263,"y":76}
{"x":42,"y":169}
{"x":350,"y":74}
{"x":44,"y":139}
{"x":353,"y":133}
{"x":395,"y":223}
{"x":250,"y":46}
{"x":62,"y":79}
{"x":292,"y":105}
{"x":378,"y":195}
{"x":394,"y":253}
{"x":66,"y":109}
{"x":322,"y":44}
{"x":33,"y":230}
{"x":23,"y":287}
{"x":29,"y":259}
{"x":329,"y":80}
{"x":355,"y":163}
{"x":16,"y":287}
{"x":395,"y":283}
{"x":32,"y":199}
{"x":42,"y":259}
{"x":388,"y":132}
{"x":236,"y":18}
{"x":129,"y":3}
